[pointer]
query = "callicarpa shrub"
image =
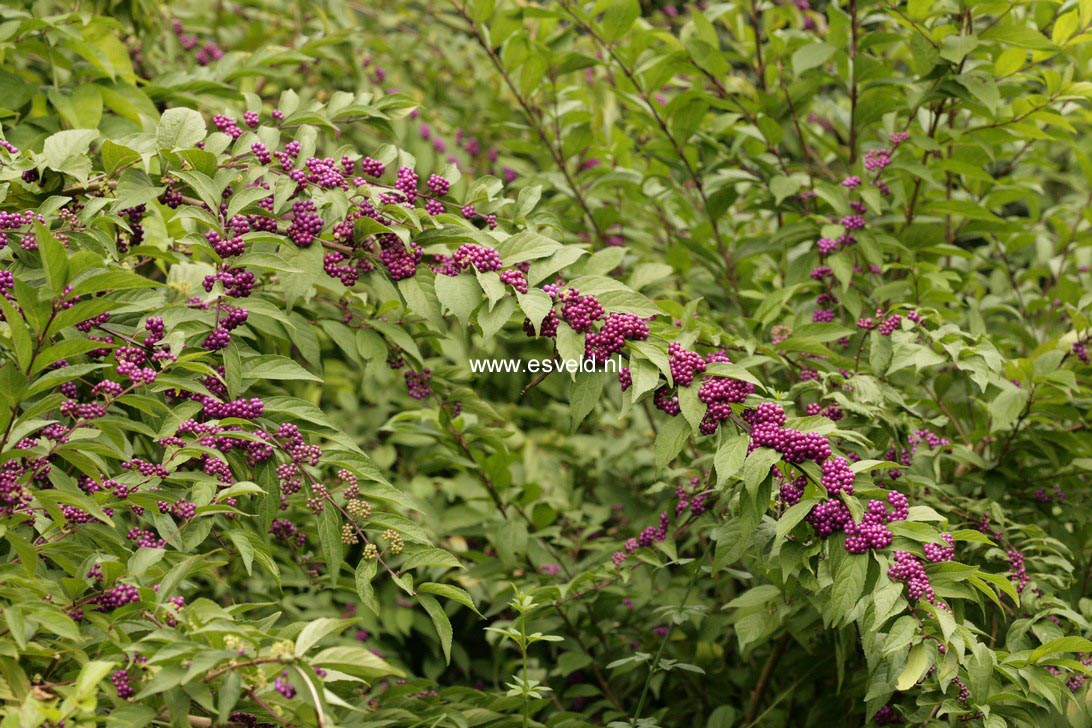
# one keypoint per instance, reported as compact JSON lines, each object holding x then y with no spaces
{"x":838,"y":251}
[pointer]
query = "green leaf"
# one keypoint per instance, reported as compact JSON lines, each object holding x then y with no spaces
{"x":757,"y":466}
{"x":585,"y":391}
{"x":755,"y":596}
{"x":916,"y":665}
{"x":316,"y":630}
{"x":730,"y":457}
{"x":329,"y":534}
{"x":619,"y":17}
{"x":91,"y":674}
{"x":430,"y":557}
{"x":670,"y":440}
{"x":1059,"y":645}
{"x":365,"y":572}
{"x":448,"y":591}
{"x":459,"y":294}
{"x":793,"y":516}
{"x":180,"y":128}
{"x":66,"y":151}
{"x":783,"y":187}
{"x":114,"y":280}
{"x":849,"y":583}
{"x":54,"y":259}
{"x":271,"y":366}
{"x":355,"y":660}
{"x":20,"y":334}
{"x":440,"y":621}
{"x":535,"y":305}
{"x":1006,"y":407}
{"x":808,"y":57}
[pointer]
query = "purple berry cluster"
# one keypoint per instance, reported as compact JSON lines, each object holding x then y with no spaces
{"x":665,"y":401}
{"x":417,"y":383}
{"x":617,"y":329}
{"x":306,"y":223}
{"x":908,"y":569}
{"x":120,"y":679}
{"x":838,"y":476}
{"x":580,"y":312}
{"x":795,"y":446}
{"x":648,"y":536}
{"x":406,"y":183}
{"x":1018,"y":572}
{"x":514,"y":278}
{"x":115,"y":597}
{"x":936,"y":553}
{"x":282,"y":686}
{"x":684,"y":364}
{"x":483,"y":259}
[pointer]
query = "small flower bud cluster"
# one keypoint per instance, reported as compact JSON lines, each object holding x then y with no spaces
{"x":352,"y":487}
{"x":359,"y":509}
{"x":348,"y":535}
{"x":394,"y":541}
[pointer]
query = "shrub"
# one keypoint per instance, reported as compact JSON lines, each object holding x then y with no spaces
{"x":250,"y":477}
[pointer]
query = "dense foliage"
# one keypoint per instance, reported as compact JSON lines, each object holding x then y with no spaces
{"x":248,"y":252}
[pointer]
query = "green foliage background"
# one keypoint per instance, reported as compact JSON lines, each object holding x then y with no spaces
{"x":679,"y":163}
